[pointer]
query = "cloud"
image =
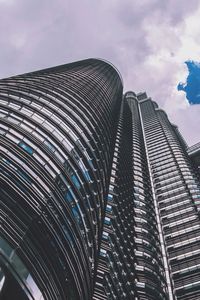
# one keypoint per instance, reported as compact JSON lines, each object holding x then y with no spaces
{"x":148,"y":41}
{"x":6,"y":2}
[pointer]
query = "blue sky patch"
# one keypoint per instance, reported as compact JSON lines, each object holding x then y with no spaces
{"x":192,"y":85}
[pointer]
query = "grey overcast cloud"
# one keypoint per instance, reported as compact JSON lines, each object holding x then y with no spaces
{"x":147,"y":40}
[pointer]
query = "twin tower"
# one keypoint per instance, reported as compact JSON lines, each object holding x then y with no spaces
{"x":99,"y":198}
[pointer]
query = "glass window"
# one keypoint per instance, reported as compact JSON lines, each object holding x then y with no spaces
{"x":49,"y":170}
{"x":12,"y":138}
{"x":84,"y":170}
{"x":13,"y":120}
{"x":67,"y":145}
{"x":26,"y":111}
{"x":5,"y":247}
{"x":105,"y":235}
{"x":107,"y":221}
{"x":91,"y":163}
{"x":2,"y":131}
{"x":111,"y":188}
{"x":20,"y":269}
{"x":109,"y":208}
{"x":49,"y":146}
{"x":60,"y":180}
{"x":76,"y":214}
{"x":76,"y":181}
{"x":58,"y":135}
{"x":103,"y":252}
{"x":112,"y":180}
{"x":46,"y":111}
{"x":73,"y":135}
{"x":25,"y":100}
{"x":27,"y":128}
{"x":24,"y":176}
{"x":27,"y":148}
{"x":38,"y":118}
{"x":75,"y":155}
{"x":59,"y":156}
{"x":110,"y":197}
{"x":87,"y":176}
{"x":36,"y":105}
{"x":48,"y":126}
{"x":68,"y":196}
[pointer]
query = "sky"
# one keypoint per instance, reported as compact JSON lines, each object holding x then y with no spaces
{"x":147,"y":40}
{"x":192,"y":85}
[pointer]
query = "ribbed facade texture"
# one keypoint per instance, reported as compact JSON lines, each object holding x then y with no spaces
{"x":99,"y":193}
{"x":58,"y":130}
{"x":194,"y":153}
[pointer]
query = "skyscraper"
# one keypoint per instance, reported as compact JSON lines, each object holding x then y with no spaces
{"x":194,"y":153}
{"x":154,"y":232}
{"x":100,"y":196}
{"x":57,"y":136}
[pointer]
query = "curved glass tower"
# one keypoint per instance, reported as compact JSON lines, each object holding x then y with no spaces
{"x":57,"y":133}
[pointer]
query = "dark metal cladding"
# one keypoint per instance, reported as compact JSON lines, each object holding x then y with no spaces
{"x":57,"y":135}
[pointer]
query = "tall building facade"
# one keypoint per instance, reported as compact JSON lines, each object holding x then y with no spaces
{"x":194,"y":153}
{"x":58,"y":129}
{"x":152,"y":249}
{"x":100,"y":196}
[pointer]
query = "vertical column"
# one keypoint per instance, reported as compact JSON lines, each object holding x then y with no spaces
{"x":150,"y":263}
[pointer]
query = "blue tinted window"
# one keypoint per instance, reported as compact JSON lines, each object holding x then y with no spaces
{"x":108,"y":208}
{"x":103,"y":252}
{"x":90,"y":162}
{"x":105,"y":236}
{"x":68,"y":197}
{"x":27,"y":148}
{"x":107,"y":221}
{"x":75,"y":181}
{"x":87,"y":176}
{"x":24,"y":176}
{"x":76,"y":214}
{"x":74,"y":178}
{"x":110,"y":197}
